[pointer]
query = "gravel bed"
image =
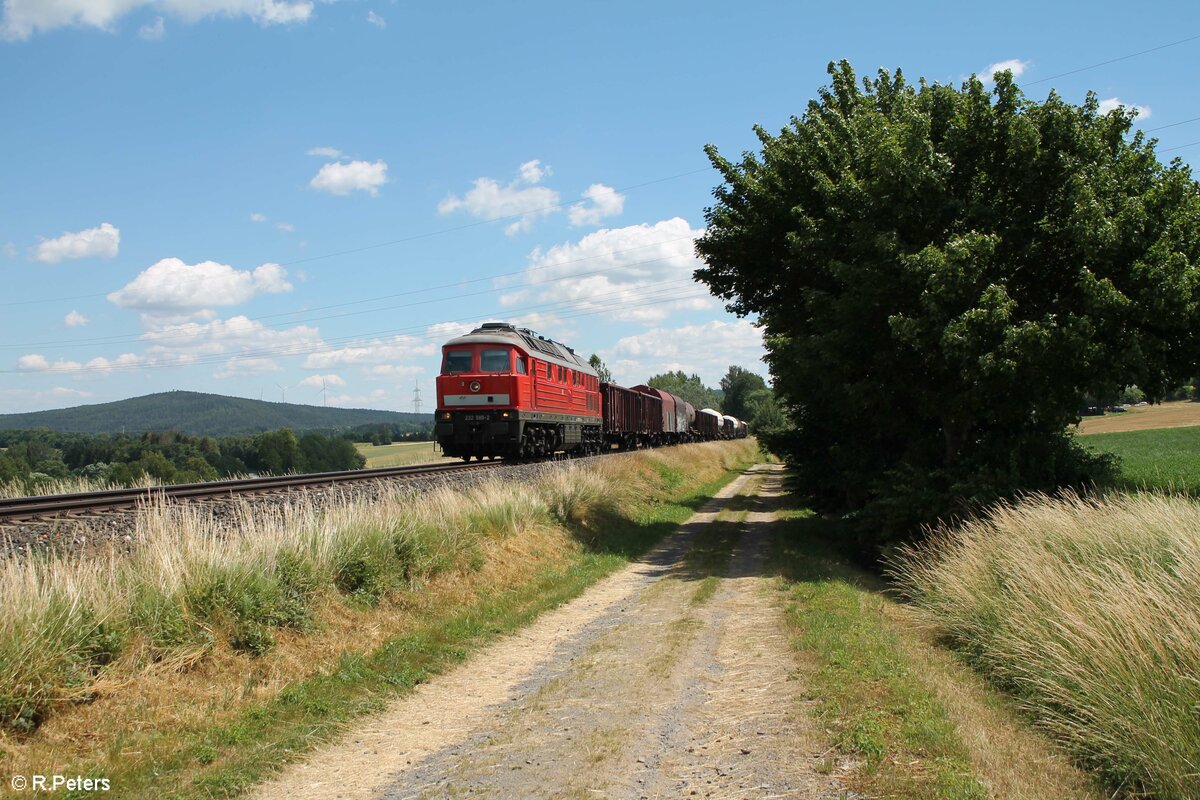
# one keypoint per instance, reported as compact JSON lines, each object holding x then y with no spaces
{"x":99,"y":531}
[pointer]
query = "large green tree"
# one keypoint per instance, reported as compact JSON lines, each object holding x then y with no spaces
{"x":737,"y":387}
{"x":942,"y":273}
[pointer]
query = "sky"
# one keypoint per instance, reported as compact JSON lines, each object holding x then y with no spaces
{"x":303,"y":199}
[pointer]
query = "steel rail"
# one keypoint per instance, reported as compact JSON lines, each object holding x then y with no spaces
{"x":17,"y":508}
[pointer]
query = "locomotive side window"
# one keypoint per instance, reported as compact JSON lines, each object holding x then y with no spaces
{"x":457,"y":361}
{"x":521,"y":365}
{"x":494,"y":361}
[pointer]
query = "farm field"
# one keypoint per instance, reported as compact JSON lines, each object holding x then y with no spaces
{"x":1177,"y":414}
{"x":401,"y":454}
{"x":1165,"y":458}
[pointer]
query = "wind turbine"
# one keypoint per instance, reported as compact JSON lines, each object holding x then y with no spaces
{"x":282,"y":392}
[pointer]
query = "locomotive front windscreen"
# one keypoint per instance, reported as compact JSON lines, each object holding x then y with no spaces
{"x":457,"y":361}
{"x":495,"y":361}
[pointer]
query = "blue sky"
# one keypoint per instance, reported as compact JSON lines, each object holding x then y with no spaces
{"x":255,"y":197}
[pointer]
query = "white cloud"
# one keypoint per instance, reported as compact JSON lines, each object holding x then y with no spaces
{"x":444,"y":331}
{"x":152,"y":31}
{"x":36,"y":362}
{"x":605,"y":202}
{"x":75,"y":320}
{"x":286,"y":227}
{"x":367,"y":352}
{"x":533,"y":171}
{"x":1112,"y":103}
{"x":230,"y":335}
{"x":487,"y":199}
{"x":342,"y":179}
{"x":376,"y":20}
{"x":1014,"y":65}
{"x":23,"y":18}
{"x":639,"y":273}
{"x":173,"y":286}
{"x":102,"y":242}
{"x":317,"y":381}
{"x":239,"y":366}
{"x":256,"y":216}
{"x":706,"y":350}
{"x":326,"y":152}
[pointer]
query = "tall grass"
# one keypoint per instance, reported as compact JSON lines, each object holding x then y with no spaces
{"x":1087,"y":610}
{"x":68,"y":623}
{"x":190,"y":585}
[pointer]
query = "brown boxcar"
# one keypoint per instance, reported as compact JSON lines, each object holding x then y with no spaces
{"x":708,"y":424}
{"x":677,"y":414}
{"x":631,"y":418}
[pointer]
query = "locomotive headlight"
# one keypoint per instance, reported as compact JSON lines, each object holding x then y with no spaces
{"x":444,"y":415}
{"x":504,"y":415}
{"x":475,"y":386}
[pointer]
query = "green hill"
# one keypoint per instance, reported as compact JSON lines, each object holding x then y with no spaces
{"x":202,"y":414}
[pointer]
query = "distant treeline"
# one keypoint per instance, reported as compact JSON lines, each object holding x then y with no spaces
{"x":35,"y":457}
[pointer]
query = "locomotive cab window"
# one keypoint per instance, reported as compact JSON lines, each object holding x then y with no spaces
{"x":456,"y":361}
{"x":521,"y":366}
{"x":494,"y":361}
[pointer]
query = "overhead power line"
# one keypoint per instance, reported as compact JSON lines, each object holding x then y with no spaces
{"x":605,"y":303}
{"x":402,"y":240}
{"x":1112,"y":60}
{"x":183,"y":333}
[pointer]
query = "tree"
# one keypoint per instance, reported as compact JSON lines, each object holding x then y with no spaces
{"x":942,"y":273}
{"x":601,"y":368}
{"x":690,"y":388}
{"x":738,"y":385}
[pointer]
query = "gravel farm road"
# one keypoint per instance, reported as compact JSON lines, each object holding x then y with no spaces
{"x":649,"y":685}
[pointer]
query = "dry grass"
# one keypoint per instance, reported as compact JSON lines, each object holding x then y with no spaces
{"x":68,"y":486}
{"x":1085,"y":609}
{"x":1177,"y":414}
{"x":196,"y":624}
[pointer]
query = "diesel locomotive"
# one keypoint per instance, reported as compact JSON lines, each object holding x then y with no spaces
{"x":508,"y":392}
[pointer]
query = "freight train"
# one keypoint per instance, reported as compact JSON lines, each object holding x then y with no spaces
{"x":506,"y":392}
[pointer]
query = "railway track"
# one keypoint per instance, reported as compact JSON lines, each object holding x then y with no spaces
{"x":19,"y":509}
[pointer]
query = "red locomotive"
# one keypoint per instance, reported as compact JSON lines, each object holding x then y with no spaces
{"x":507,"y":392}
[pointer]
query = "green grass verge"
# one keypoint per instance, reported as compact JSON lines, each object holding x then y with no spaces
{"x":1160,"y":458}
{"x":869,"y":695}
{"x":225,"y":760}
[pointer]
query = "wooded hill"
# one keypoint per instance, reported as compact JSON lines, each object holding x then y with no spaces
{"x":204,"y":414}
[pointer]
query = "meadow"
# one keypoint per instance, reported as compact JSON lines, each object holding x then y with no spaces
{"x":401,"y":454}
{"x":1165,"y":459}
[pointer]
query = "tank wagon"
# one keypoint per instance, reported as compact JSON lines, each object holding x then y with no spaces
{"x":507,"y":392}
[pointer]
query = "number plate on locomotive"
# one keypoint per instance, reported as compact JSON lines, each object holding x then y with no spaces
{"x":476,"y":417}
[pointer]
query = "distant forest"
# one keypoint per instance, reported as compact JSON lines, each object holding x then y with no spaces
{"x":37,"y":458}
{"x":200,"y":414}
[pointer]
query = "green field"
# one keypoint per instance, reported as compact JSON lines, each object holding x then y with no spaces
{"x":401,"y":454}
{"x":1161,"y":458}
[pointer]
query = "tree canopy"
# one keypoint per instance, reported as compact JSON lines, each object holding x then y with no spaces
{"x":738,"y":387}
{"x":942,"y":274}
{"x":689,"y":387}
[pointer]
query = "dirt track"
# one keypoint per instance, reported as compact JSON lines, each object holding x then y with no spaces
{"x":655,"y":683}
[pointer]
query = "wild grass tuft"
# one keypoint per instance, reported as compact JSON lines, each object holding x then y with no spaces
{"x":1085,"y":609}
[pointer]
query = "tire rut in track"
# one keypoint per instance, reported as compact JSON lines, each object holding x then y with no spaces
{"x":650,"y":685}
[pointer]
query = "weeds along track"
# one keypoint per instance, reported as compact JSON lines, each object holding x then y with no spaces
{"x":93,"y":521}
